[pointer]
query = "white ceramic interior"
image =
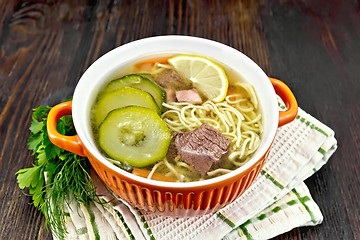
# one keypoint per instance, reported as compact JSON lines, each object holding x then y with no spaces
{"x":96,"y":75}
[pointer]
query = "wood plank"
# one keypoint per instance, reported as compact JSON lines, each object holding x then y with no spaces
{"x":312,"y":46}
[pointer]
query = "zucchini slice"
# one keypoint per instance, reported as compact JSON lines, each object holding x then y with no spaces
{"x":134,"y":135}
{"x":121,"y":97}
{"x":140,"y":82}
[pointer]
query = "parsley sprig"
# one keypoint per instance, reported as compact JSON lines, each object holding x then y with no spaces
{"x":57,"y":176}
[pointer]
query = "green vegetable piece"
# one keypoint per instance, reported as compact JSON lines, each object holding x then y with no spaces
{"x":29,"y":176}
{"x":66,"y":173}
{"x":121,"y":97}
{"x":135,"y":135}
{"x":141,"y":82}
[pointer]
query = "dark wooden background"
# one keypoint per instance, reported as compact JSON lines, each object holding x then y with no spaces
{"x":313,"y":46}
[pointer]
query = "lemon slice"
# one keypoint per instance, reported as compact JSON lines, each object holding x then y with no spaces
{"x":208,"y":77}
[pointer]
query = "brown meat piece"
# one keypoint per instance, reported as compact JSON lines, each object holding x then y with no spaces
{"x":202,"y":148}
{"x":169,"y":78}
{"x":172,"y":151}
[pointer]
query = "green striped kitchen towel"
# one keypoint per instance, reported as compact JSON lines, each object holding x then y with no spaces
{"x":276,"y":202}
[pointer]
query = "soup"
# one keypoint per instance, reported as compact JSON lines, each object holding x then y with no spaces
{"x":157,"y":122}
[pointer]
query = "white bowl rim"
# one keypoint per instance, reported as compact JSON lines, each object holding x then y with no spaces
{"x":81,"y":89}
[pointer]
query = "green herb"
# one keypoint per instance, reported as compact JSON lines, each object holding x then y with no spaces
{"x":65,"y":173}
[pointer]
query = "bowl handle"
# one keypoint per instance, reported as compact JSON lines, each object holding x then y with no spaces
{"x":288,"y":97}
{"x":70,"y":143}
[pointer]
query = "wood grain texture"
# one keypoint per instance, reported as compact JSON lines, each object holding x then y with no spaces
{"x":45,"y":46}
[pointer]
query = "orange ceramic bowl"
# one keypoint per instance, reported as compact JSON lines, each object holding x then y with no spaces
{"x":171,"y":198}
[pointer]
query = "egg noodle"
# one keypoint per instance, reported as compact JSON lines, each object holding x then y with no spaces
{"x":237,"y":117}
